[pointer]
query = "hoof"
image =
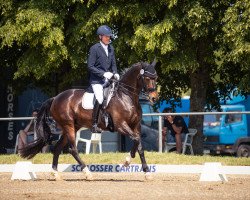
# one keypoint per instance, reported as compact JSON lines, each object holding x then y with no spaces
{"x":127,"y":161}
{"x":89,"y":177}
{"x":88,"y":174}
{"x":126,"y":164}
{"x":148,"y":176}
{"x":56,"y":175}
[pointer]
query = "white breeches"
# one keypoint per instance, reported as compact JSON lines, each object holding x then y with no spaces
{"x":98,"y":91}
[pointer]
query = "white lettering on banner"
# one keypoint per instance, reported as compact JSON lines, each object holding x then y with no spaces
{"x":10,"y":111}
{"x":113,"y":168}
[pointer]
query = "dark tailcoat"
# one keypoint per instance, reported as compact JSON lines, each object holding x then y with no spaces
{"x":99,"y":63}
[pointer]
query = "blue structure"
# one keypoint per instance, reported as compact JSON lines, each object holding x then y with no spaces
{"x":228,"y":133}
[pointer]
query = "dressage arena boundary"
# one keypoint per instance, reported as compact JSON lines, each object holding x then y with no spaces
{"x":211,"y":171}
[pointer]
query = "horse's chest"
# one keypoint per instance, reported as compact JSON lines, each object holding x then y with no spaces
{"x":134,"y":115}
{"x":130,"y":114}
{"x":125,"y":110}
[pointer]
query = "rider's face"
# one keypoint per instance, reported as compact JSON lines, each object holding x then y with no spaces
{"x":105,"y":39}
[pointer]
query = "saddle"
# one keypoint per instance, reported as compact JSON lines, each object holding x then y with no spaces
{"x":88,"y":99}
{"x":88,"y":102}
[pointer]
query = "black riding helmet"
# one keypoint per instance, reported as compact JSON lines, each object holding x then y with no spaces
{"x":104,"y":30}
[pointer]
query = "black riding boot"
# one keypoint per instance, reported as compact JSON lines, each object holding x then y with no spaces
{"x":96,"y":111}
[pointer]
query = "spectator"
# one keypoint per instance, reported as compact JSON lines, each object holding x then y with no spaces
{"x":27,"y":131}
{"x":28,"y":134}
{"x":176,"y":127}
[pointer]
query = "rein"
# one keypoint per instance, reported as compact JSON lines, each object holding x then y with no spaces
{"x":145,"y":91}
{"x":120,"y":85}
{"x":126,"y":86}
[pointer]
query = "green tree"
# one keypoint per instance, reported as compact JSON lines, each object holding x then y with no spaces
{"x":39,"y":32}
{"x":190,"y":39}
{"x":201,"y":45}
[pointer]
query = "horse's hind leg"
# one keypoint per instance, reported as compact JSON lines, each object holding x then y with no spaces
{"x":74,"y":152}
{"x":56,"y":152}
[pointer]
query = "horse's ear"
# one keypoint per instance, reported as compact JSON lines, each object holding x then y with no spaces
{"x":153,"y":63}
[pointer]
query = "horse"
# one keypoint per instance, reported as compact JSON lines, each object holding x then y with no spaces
{"x":123,"y":109}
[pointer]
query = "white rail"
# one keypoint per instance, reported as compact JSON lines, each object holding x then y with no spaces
{"x":16,"y":118}
{"x":160,"y":115}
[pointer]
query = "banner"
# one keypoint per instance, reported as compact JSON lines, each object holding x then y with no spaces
{"x":8,"y":108}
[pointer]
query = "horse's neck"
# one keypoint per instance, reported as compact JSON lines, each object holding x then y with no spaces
{"x":131,"y":80}
{"x":131,"y":86}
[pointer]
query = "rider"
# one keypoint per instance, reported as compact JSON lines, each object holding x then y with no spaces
{"x":102,"y":67}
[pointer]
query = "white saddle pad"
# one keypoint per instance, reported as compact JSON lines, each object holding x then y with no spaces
{"x":88,"y":100}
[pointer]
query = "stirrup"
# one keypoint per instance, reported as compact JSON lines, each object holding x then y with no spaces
{"x":96,"y":129}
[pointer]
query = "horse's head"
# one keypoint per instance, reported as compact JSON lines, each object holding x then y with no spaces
{"x":149,"y":77}
{"x":140,"y":76}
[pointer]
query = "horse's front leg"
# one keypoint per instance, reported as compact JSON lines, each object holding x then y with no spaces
{"x":138,"y":147}
{"x":134,"y":149}
{"x":131,"y":154}
{"x":145,"y":168}
{"x":126,"y":130}
{"x":135,"y":136}
{"x":142,"y":157}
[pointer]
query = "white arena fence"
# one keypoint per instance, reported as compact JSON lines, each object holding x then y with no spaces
{"x":160,"y":115}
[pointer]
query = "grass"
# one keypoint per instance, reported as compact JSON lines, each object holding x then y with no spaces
{"x":118,"y":158}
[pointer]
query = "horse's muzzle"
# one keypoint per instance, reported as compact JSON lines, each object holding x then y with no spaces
{"x":153,"y":96}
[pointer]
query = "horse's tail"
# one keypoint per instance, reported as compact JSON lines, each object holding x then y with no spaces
{"x":43,"y":132}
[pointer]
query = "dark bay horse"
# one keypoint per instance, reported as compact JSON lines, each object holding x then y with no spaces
{"x":124,"y":110}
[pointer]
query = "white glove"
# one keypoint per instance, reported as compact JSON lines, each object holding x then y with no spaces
{"x":108,"y":75}
{"x":117,"y":77}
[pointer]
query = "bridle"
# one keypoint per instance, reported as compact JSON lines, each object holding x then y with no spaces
{"x":143,"y":75}
{"x":150,"y":75}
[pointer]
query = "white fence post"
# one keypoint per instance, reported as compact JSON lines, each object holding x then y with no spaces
{"x":160,"y":134}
